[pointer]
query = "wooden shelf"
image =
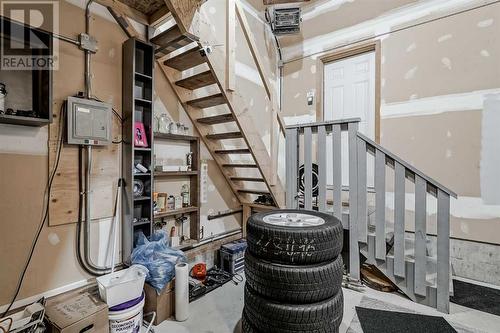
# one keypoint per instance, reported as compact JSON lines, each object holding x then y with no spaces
{"x":20,"y":120}
{"x":175,"y":137}
{"x":138,"y":224}
{"x":169,"y":213}
{"x":142,"y":174}
{"x":144,"y":102}
{"x":141,"y":76}
{"x":142,"y":149}
{"x":186,"y":244}
{"x":175,"y":173}
{"x":142,"y":198}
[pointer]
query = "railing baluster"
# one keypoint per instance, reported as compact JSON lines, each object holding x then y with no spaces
{"x":291,"y":167}
{"x":443,"y":251}
{"x":420,"y":235}
{"x":337,"y":171}
{"x":322,"y":168}
{"x":362,"y":192}
{"x":353,"y":202}
{"x":308,"y":168}
{"x":399,"y":220}
{"x":380,"y":250}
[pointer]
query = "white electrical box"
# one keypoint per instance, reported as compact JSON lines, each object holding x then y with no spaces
{"x":89,"y":122}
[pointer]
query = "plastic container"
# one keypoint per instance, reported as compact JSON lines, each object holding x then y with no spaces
{"x":127,"y":317}
{"x":122,"y":286}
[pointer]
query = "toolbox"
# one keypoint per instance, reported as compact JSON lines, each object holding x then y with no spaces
{"x":232,"y":256}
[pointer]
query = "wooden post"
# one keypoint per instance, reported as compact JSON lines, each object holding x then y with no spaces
{"x":247,"y":211}
{"x":230,"y":42}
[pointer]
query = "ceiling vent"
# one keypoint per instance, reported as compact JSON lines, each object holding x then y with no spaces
{"x":286,"y":21}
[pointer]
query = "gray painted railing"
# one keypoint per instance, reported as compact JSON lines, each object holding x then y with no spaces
{"x":302,"y":139}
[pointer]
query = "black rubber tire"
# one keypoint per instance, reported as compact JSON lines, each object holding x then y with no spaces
{"x":246,"y":326}
{"x":295,"y":245}
{"x":294,"y":284}
{"x":269,"y":316}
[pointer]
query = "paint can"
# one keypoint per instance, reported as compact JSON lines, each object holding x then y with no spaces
{"x":127,"y":317}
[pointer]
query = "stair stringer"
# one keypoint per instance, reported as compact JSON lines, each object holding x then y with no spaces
{"x":238,"y":106}
{"x":406,"y":285}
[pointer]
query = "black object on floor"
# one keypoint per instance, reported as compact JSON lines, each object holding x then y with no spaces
{"x":376,"y":321}
{"x":476,"y":297}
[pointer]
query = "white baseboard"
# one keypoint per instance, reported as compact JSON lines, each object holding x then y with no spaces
{"x":50,"y":293}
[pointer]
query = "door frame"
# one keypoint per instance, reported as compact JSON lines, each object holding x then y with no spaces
{"x":347,"y":52}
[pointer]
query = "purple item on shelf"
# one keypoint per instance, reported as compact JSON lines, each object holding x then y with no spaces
{"x":127,"y":305}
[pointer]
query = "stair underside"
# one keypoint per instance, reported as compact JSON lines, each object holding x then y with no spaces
{"x":239,"y":165}
{"x":176,"y":44}
{"x":247,"y":179}
{"x":197,"y":81}
{"x":186,"y":60}
{"x":224,"y":136}
{"x":207,"y":102}
{"x":251,"y":191}
{"x":220,"y":119}
{"x":233,"y":151}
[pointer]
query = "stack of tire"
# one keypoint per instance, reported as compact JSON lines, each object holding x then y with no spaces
{"x":293,"y":270}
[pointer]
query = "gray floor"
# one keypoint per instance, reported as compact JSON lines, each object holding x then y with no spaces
{"x":220,"y":312}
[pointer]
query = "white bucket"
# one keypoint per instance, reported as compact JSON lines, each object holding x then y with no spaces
{"x":128,"y":320}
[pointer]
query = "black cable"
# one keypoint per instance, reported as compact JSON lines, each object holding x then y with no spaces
{"x":45,"y":212}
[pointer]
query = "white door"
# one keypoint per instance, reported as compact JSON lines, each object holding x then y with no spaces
{"x":349,"y":92}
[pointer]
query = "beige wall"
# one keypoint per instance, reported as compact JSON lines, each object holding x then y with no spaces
{"x":436,"y":79}
{"x":24,"y":168}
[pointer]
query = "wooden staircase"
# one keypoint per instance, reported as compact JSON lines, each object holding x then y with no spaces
{"x":230,"y":135}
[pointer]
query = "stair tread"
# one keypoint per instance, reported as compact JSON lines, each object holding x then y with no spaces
{"x":219,"y":119}
{"x":252,"y":191}
{"x":174,"y":45}
{"x":239,"y":165}
{"x":208,"y":101}
{"x":197,"y":81}
{"x":167,"y":36}
{"x":247,"y":179}
{"x":186,"y":60}
{"x":233,"y":151}
{"x":222,"y":136}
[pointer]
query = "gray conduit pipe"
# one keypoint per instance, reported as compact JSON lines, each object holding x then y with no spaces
{"x":86,"y":260}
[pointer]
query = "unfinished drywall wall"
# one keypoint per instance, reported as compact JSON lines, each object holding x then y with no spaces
{"x":440,"y":82}
{"x":24,"y":160}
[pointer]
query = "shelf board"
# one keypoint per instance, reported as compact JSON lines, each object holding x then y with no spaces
{"x":143,"y":76}
{"x":142,"y":174}
{"x":176,"y":212}
{"x":138,"y":224}
{"x":175,"y":137}
{"x":186,"y":244}
{"x":143,"y":198}
{"x":20,"y":120}
{"x":175,"y":173}
{"x":143,"y":101}
{"x":142,"y":149}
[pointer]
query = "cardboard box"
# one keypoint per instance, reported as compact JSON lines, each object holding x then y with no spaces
{"x":77,"y":312}
{"x":163,"y":304}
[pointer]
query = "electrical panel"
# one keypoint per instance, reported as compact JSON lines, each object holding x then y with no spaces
{"x":89,"y":122}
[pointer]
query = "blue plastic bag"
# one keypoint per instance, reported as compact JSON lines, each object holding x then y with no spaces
{"x":158,"y":258}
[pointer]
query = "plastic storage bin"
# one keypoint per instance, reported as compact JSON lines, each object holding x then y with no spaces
{"x":122,"y":286}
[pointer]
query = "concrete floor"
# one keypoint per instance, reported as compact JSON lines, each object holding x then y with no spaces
{"x":220,"y":312}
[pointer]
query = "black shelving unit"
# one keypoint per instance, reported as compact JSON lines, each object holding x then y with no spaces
{"x":138,"y":64}
{"x":38,"y":88}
